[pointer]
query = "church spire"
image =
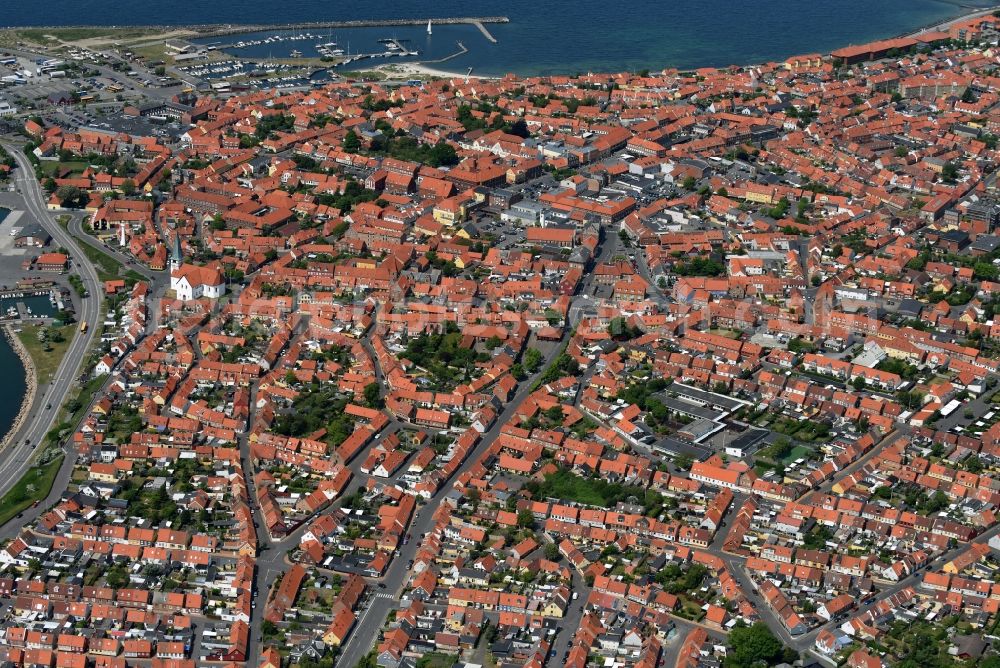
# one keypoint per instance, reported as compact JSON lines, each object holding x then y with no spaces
{"x":175,"y":252}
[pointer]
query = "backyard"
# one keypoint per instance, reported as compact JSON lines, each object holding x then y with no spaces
{"x":33,"y":486}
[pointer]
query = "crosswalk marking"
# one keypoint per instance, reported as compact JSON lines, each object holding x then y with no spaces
{"x":385,"y":595}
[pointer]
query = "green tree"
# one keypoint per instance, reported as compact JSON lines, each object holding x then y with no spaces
{"x":554,"y":413}
{"x":949,"y":173}
{"x":752,"y":646}
{"x":71,"y":197}
{"x":683,"y":461}
{"x":519,"y":129}
{"x":373,"y":395}
{"x":117,"y":577}
{"x":532,"y":360}
{"x":525,"y":518}
{"x":352,"y":144}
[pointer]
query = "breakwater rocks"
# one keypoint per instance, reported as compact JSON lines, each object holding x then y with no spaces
{"x":30,"y":382}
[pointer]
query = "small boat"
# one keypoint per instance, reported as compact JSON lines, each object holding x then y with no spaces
{"x":429,"y":31}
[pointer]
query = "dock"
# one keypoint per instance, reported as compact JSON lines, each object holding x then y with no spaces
{"x":402,"y":50}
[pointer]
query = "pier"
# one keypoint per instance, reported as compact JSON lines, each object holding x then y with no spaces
{"x":402,"y":50}
{"x":462,"y":50}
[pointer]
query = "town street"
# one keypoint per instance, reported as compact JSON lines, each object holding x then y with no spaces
{"x":18,"y":457}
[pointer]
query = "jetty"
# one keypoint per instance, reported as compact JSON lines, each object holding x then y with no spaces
{"x":462,"y":50}
{"x":220,"y":29}
{"x":486,"y":33}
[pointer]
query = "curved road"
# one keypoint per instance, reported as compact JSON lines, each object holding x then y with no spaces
{"x":17,"y":457}
{"x":155,"y":278}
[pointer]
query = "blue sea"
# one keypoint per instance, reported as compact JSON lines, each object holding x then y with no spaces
{"x":11,"y":369}
{"x":552,"y":36}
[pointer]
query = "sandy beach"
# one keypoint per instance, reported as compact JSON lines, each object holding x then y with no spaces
{"x":419,"y":69}
{"x":31,"y":382}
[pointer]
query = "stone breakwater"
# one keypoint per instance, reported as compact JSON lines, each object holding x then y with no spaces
{"x":30,"y":381}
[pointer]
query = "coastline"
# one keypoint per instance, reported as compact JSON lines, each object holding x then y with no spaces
{"x":30,"y":380}
{"x":943,"y":25}
{"x":419,"y":69}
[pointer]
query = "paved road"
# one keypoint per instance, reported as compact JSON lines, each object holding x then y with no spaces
{"x":158,"y":279}
{"x":571,"y":619}
{"x":365,"y":635}
{"x":18,"y":456}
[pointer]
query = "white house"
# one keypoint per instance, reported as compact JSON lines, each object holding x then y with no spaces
{"x":191,"y":282}
{"x":105,"y":366}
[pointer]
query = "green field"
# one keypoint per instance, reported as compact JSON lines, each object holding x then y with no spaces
{"x":46,"y":361}
{"x":798,"y":452}
{"x":563,"y":484}
{"x":50,"y":167}
{"x":84,"y":397}
{"x":33,"y":486}
{"x":45,"y":35}
{"x":108,"y":268}
{"x":436,"y":660}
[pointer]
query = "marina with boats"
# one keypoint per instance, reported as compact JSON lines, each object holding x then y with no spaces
{"x":280,"y":59}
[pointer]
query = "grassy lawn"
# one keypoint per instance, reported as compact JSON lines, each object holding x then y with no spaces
{"x":592,"y":491}
{"x":798,"y":452}
{"x":63,"y":220}
{"x":85,"y":394}
{"x":46,"y":361}
{"x":107,"y":267}
{"x":436,"y":660}
{"x":49,"y":167}
{"x":34,"y":486}
{"x":728,"y":333}
{"x":44,"y":35}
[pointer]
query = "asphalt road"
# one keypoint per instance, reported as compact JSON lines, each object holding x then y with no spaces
{"x":158,"y":279}
{"x":17,"y":457}
{"x":365,"y":634}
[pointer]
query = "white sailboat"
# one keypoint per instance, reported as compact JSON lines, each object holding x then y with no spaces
{"x":429,"y":31}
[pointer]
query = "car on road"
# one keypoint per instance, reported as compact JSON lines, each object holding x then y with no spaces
{"x":381,"y":585}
